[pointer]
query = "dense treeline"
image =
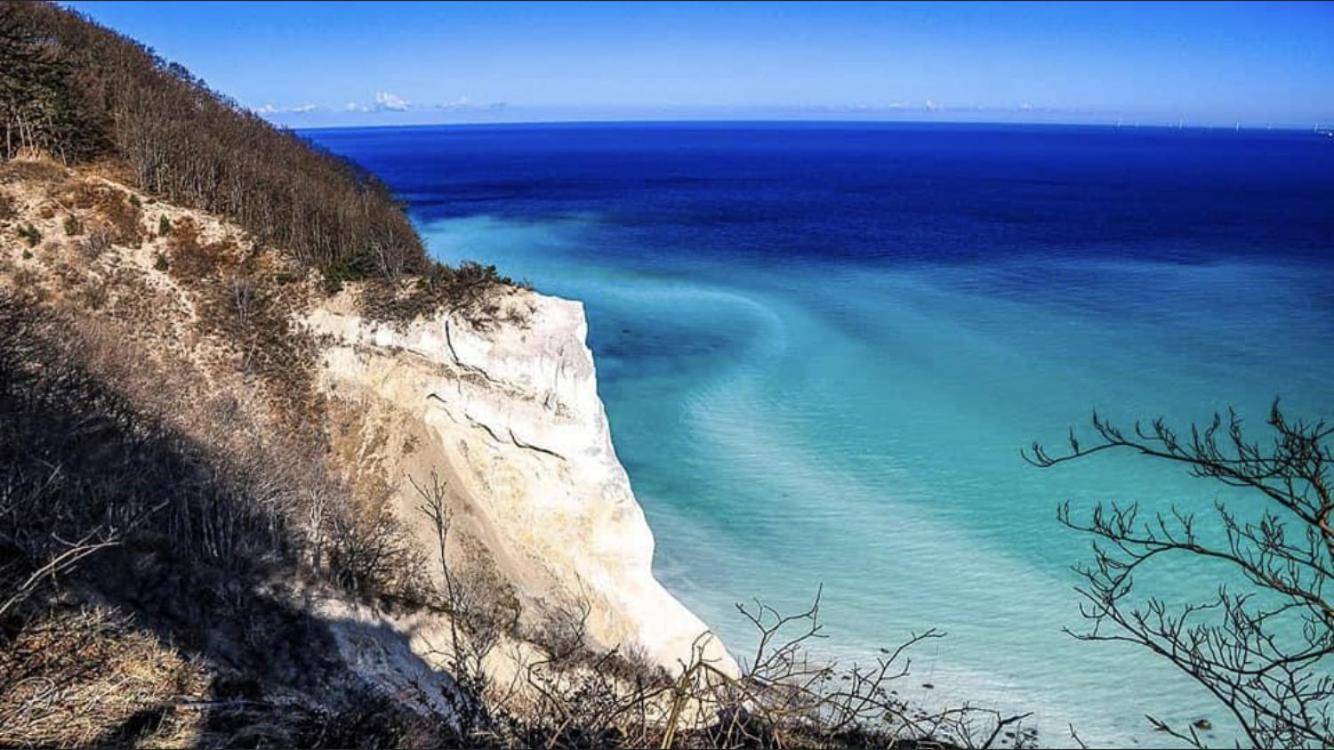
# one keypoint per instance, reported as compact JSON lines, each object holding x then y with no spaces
{"x":77,"y":91}
{"x":41,"y":110}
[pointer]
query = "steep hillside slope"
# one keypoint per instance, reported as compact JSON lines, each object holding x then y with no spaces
{"x":308,"y":441}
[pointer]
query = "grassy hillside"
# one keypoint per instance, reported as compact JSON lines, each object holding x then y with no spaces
{"x":164,"y":464}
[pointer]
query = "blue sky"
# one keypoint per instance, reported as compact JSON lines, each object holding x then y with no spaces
{"x":319,"y":64}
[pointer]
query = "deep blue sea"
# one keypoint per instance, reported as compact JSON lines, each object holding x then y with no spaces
{"x":822,"y":347}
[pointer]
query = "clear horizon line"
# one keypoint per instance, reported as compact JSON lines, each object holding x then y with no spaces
{"x":828,"y":121}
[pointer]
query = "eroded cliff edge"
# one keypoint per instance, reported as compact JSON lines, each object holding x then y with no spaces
{"x":510,"y":419}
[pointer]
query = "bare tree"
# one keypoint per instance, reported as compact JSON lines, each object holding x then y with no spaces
{"x":788,"y":697}
{"x":1261,"y":644}
{"x":784,"y":697}
{"x":478,"y":619}
{"x":45,"y":556}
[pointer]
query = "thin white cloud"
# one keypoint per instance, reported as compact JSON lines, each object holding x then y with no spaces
{"x":459,"y":103}
{"x":383,"y":102}
{"x":391,"y":102}
{"x":269,"y":109}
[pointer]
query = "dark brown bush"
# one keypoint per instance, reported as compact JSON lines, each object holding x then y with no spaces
{"x":190,"y":259}
{"x":110,"y":206}
{"x":470,"y":289}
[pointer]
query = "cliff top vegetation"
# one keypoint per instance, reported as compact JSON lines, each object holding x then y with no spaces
{"x":86,"y":95}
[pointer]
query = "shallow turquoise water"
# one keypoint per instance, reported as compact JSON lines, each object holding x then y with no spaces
{"x":860,"y":429}
{"x":821,"y":351}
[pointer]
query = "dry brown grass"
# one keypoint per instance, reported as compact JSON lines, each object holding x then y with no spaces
{"x":218,"y":357}
{"x":106,"y":204}
{"x":245,"y":302}
{"x":31,"y":171}
{"x":79,"y":677}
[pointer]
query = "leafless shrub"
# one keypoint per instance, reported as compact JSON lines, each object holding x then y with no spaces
{"x":98,"y":241}
{"x":478,"y":619}
{"x":368,"y":552}
{"x":244,"y":297}
{"x":784,"y":697}
{"x":35,"y":554}
{"x":470,"y":290}
{"x":1262,"y":645}
{"x":28,"y":287}
{"x":563,"y":632}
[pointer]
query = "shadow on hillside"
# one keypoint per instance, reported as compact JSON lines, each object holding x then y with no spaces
{"x":338,"y":706}
{"x":195,"y":547}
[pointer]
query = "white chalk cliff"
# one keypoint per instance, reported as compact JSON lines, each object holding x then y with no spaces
{"x":510,"y":418}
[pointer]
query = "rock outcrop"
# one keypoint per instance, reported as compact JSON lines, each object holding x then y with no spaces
{"x":510,"y":418}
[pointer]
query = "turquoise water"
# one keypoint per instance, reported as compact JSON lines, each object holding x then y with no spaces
{"x":810,"y":386}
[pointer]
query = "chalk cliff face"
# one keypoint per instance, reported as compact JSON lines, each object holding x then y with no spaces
{"x":510,"y":419}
